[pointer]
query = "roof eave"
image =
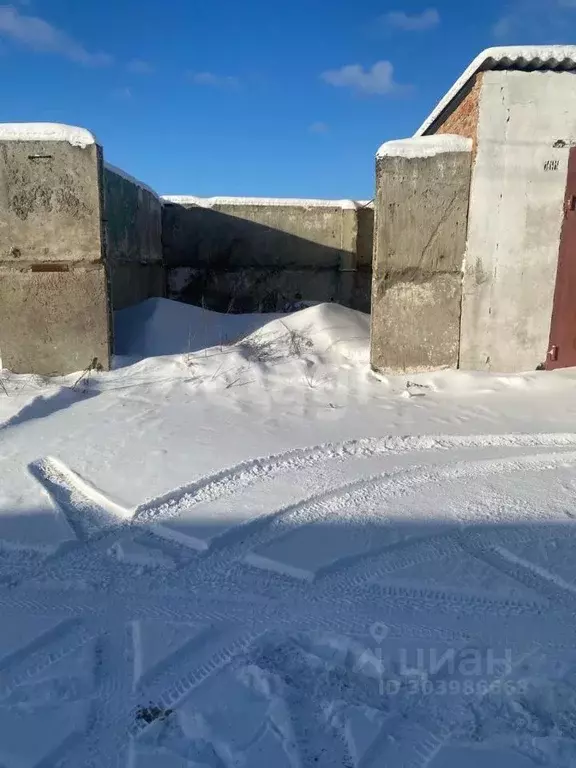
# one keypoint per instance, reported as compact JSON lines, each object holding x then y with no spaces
{"x":560,"y":58}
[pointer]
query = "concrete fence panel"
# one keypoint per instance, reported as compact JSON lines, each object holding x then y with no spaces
{"x":243,"y":254}
{"x":133,"y":214}
{"x":54,"y":314}
{"x":79,"y":239}
{"x":421,"y":206}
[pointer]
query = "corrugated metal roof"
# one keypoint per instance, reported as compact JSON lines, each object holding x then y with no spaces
{"x":530,"y":58}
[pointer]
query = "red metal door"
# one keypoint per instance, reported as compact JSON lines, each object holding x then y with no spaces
{"x":562,"y":345}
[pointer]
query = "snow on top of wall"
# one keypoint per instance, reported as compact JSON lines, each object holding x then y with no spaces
{"x":557,"y":58}
{"x":425,"y":146}
{"x":213,"y":202}
{"x":131,"y":179}
{"x":77,"y":137}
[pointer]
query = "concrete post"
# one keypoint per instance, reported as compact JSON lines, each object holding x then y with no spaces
{"x":54,"y":307}
{"x":421,"y":207}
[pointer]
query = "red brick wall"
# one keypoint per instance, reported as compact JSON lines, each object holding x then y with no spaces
{"x":463,"y":120}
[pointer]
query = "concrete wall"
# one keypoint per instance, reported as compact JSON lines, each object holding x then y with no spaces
{"x":54,"y":322}
{"x":54,"y":315}
{"x":527,"y":122}
{"x":422,"y":190}
{"x":133,"y":214}
{"x":235,"y":254}
{"x":78,"y":240}
{"x":49,"y":202}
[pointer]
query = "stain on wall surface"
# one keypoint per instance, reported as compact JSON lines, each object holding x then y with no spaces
{"x":49,"y":202}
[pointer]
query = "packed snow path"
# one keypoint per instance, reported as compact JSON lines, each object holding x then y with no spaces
{"x":258,"y":554}
{"x":211,"y":628}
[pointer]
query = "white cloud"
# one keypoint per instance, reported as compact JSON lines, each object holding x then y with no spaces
{"x":140,"y":67}
{"x":379,"y":79}
{"x":213,"y":80}
{"x":319,"y":127}
{"x":41,"y":36}
{"x":122,"y":94}
{"x":416,"y":22}
{"x":503,"y":27}
{"x":535,"y":21}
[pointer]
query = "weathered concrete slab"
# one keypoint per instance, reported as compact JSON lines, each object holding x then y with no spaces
{"x":133,"y":214}
{"x":54,"y":315}
{"x":54,"y":322}
{"x":50,"y":207}
{"x":255,"y":253}
{"x":238,"y":234}
{"x":527,"y":124}
{"x":253,"y":290}
{"x":365,"y":236}
{"x":131,"y":283}
{"x":417,"y":324}
{"x":422,"y":191}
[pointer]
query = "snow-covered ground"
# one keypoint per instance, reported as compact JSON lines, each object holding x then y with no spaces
{"x":240,"y":548}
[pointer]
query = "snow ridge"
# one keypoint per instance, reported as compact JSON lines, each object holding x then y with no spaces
{"x":213,"y":202}
{"x":77,"y":137}
{"x":425,"y":146}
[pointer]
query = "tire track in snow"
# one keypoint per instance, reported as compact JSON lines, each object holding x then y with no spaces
{"x":552,"y":587}
{"x":228,"y":481}
{"x":101,"y":607}
{"x":556,"y":582}
{"x":87,"y":510}
{"x":39,"y":661}
{"x":381,"y":489}
{"x":96,"y":520}
{"x":342,"y":591}
{"x":447,"y":601}
{"x":436,"y":724}
{"x":192,"y":674}
{"x":497,"y":465}
{"x":408,"y":745}
{"x":417,"y":598}
{"x":114,"y":726}
{"x":201,"y":667}
{"x":359,"y":621}
{"x":196,"y":672}
{"x":411,"y":553}
{"x":338,"y":591}
{"x":113,"y":690}
{"x":350,"y":582}
{"x":352,"y":617}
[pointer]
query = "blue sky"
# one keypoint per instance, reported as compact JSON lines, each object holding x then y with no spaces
{"x":251,"y":97}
